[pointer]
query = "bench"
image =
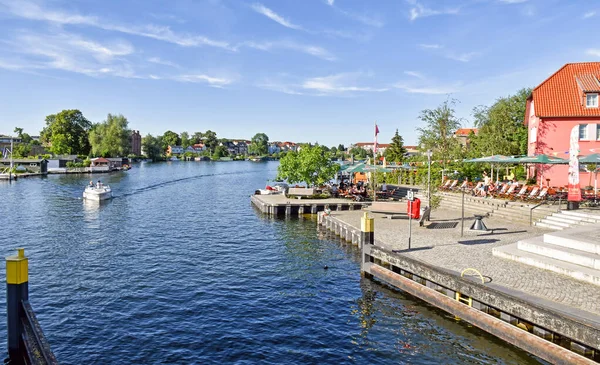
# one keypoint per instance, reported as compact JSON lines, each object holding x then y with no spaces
{"x":301,"y":192}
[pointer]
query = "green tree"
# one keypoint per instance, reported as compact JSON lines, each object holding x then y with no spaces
{"x":170,"y":138}
{"x":67,"y":133}
{"x":210,"y":140}
{"x":438,"y":133}
{"x":152,"y":147}
{"x":501,"y":127}
{"x":395,"y":152}
{"x":341,"y":147}
{"x":220,"y":151}
{"x":259,"y":145}
{"x":311,"y":165}
{"x":19,"y":132}
{"x":111,"y":138}
{"x":185,"y":140}
{"x":197,"y":137}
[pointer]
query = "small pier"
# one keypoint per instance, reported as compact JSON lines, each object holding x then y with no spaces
{"x":554,"y":317}
{"x":280,"y":205}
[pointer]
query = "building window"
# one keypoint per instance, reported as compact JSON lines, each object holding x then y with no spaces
{"x":598,"y":131}
{"x":583,"y":131}
{"x":591,"y":100}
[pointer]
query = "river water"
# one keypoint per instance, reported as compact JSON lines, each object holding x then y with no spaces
{"x":179,"y":268}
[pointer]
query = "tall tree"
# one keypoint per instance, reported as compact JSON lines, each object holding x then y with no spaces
{"x":197,"y":137}
{"x":111,"y":138}
{"x":170,"y":138}
{"x":440,"y":125}
{"x":395,"y":152}
{"x":210,"y":140}
{"x":19,"y":132}
{"x":67,"y":133}
{"x":501,"y":128}
{"x":259,"y":145}
{"x":341,"y":147}
{"x":185,"y":140}
{"x":152,"y":147}
{"x":311,"y":165}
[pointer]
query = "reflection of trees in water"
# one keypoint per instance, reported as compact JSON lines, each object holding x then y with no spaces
{"x":364,"y":311}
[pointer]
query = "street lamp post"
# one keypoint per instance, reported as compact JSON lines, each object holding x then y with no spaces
{"x":428,"y":175}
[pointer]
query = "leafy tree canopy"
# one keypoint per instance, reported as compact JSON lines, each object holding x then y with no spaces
{"x":152,"y":147}
{"x":311,"y":165}
{"x":395,"y":152}
{"x":67,"y":133}
{"x":111,"y":138}
{"x":185,"y":140}
{"x":501,"y":128}
{"x":220,"y":151}
{"x":438,"y":133}
{"x":170,"y":138}
{"x":259,"y":145}
{"x":210,"y":140}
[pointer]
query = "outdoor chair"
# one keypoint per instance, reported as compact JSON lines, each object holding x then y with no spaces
{"x":510,"y":191}
{"x":462,"y":186}
{"x":532,"y":194}
{"x":520,"y":194}
{"x":476,"y":188}
{"x":542,"y":195}
{"x":446,"y":185}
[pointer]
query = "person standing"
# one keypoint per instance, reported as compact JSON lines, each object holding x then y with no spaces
{"x":486,"y":184}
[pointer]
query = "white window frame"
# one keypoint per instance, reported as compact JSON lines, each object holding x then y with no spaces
{"x":598,"y":132}
{"x":584,"y":128}
{"x":591,"y":96}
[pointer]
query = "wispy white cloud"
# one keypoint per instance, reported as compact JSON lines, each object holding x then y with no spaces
{"x":418,"y":10}
{"x":303,"y":48}
{"x":338,"y":84}
{"x":342,"y":84}
{"x":30,"y":10}
{"x":261,"y":9}
{"x":512,"y":1}
{"x":462,"y":57}
{"x":593,"y":52}
{"x":205,"y":79}
{"x":330,"y":2}
{"x":159,"y":61}
{"x":369,"y":20}
{"x":414,"y":74}
{"x":589,"y":14}
{"x":430,"y":90}
{"x":430,"y":46}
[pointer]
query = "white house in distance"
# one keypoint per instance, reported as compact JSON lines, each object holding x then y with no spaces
{"x":368,"y":146}
{"x":174,"y":150}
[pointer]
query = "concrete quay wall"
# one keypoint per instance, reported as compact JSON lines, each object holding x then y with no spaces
{"x":554,"y":336}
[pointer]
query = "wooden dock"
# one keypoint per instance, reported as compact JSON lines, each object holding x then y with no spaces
{"x":280,"y":205}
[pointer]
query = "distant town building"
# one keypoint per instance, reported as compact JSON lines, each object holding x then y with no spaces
{"x":174,"y":150}
{"x":136,"y":143}
{"x":462,"y":135}
{"x":368,"y":146}
{"x":411,"y":151}
{"x":568,"y":98}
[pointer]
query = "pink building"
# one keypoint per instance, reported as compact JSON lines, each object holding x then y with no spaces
{"x":568,"y":98}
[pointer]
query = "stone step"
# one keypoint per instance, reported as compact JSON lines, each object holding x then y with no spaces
{"x":582,"y":238}
{"x":554,"y":223}
{"x":582,"y":215}
{"x":561,"y":220}
{"x":511,"y":252}
{"x":546,"y":225}
{"x":539,"y":247}
{"x":567,"y":218}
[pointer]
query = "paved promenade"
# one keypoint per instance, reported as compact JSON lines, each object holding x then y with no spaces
{"x":446,"y":248}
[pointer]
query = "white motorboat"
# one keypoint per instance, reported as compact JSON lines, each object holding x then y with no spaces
{"x":97,"y":192}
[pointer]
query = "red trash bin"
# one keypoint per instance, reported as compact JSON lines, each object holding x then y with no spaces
{"x":414,"y":208}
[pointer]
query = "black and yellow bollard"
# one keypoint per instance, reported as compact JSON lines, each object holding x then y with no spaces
{"x":367,"y":235}
{"x":17,"y":290}
{"x":367,"y":240}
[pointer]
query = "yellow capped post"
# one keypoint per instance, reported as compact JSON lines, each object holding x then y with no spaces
{"x":17,"y":291}
{"x":17,"y":268}
{"x":367,"y":229}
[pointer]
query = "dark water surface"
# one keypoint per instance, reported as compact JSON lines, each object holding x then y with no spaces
{"x":180,"y":269}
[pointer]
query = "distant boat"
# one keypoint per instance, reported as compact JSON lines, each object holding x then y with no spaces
{"x":258,"y":159}
{"x":97,"y":192}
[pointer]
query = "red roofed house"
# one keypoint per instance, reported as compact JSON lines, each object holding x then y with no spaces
{"x":462,"y":135}
{"x":568,"y":98}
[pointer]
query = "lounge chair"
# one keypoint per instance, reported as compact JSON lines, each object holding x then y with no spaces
{"x":520,"y":194}
{"x":542,"y":195}
{"x":532,"y":194}
{"x":476,"y":188}
{"x":446,"y":185}
{"x":510,"y":191}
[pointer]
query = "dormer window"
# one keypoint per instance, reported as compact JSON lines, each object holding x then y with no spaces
{"x":591,"y":100}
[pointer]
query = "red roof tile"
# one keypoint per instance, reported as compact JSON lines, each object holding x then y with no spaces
{"x":465,"y":131}
{"x":563,"y":93}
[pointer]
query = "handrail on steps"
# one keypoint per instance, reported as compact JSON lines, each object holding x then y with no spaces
{"x":531,"y":212}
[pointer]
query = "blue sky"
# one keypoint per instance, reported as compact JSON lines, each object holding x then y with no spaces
{"x":310,"y":70}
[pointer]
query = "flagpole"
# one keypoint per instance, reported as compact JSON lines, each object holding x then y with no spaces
{"x":375,"y":164}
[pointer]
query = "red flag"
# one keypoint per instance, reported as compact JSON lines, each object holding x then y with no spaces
{"x":376,"y":130}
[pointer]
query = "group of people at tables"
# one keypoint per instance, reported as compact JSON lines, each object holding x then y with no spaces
{"x":356,"y":191}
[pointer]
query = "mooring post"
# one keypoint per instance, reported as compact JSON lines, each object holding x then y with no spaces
{"x":17,"y":290}
{"x":367,"y":238}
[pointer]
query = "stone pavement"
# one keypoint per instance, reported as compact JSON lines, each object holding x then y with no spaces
{"x":446,"y":248}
